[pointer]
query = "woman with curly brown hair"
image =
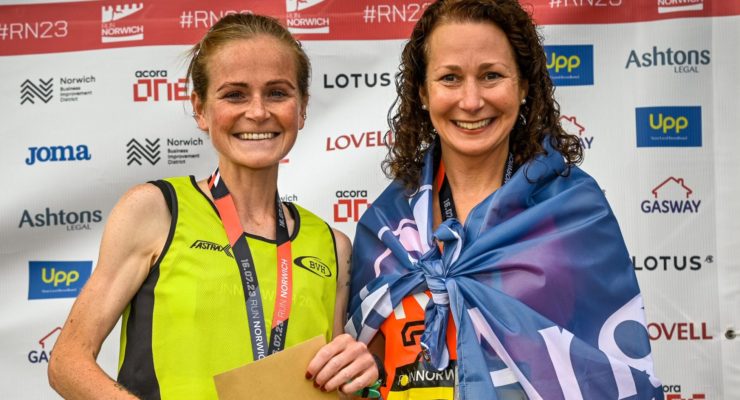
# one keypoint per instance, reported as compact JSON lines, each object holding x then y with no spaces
{"x":490,"y":220}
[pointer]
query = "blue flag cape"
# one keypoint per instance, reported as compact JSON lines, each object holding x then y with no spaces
{"x":538,"y":281}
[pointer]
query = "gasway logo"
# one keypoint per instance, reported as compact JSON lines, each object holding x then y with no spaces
{"x":570,"y":65}
{"x":313,"y":265}
{"x":305,"y":22}
{"x":112,"y":30}
{"x":676,"y":197}
{"x":57,"y":279}
{"x":571,"y":126}
{"x":669,"y":6}
{"x":668,"y":126}
{"x":46,"y":343}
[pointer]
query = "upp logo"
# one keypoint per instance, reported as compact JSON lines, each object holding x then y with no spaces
{"x":668,"y":126}
{"x":313,"y":265}
{"x":43,"y":91}
{"x":350,"y":205}
{"x":671,"y":188}
{"x":112,"y":30}
{"x":571,"y":65}
{"x":135,"y":151}
{"x":47,"y":343}
{"x":57,"y":279}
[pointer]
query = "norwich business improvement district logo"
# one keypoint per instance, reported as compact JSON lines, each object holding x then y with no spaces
{"x":32,"y":92}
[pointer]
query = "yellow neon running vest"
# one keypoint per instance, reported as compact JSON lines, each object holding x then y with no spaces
{"x":188,"y":321}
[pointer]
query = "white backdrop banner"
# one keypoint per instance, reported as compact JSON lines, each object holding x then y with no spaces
{"x":94,"y":101}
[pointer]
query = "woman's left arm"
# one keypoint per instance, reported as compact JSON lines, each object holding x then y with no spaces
{"x":344,"y":364}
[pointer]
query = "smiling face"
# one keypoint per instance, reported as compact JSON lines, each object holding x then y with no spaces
{"x":253,"y":108}
{"x":472,"y":89}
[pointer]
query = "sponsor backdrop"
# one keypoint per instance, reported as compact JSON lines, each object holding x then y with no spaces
{"x":94,"y":100}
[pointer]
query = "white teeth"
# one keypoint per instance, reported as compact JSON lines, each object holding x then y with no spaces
{"x":473,"y":125}
{"x":255,"y":135}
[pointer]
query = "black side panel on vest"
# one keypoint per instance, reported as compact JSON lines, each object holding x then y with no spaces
{"x":137,"y":371}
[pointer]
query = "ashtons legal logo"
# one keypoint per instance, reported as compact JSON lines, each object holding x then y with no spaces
{"x":139,"y":152}
{"x":668,"y":126}
{"x":43,"y":154}
{"x":571,"y":126}
{"x":31,"y":92}
{"x":113,"y":30}
{"x":43,"y":352}
{"x":153,"y":85}
{"x":71,"y":220}
{"x":672,"y":196}
{"x":570,"y":65}
{"x":670,"y":263}
{"x":669,"y":6}
{"x":211,"y":246}
{"x":678,"y":331}
{"x":300,"y":21}
{"x":359,"y":140}
{"x":682,"y":61}
{"x":674,"y":392}
{"x":57,"y":279}
{"x":313,"y":265}
{"x":357,"y":80}
{"x":350,"y":205}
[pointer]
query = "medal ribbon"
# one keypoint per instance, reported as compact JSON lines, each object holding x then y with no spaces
{"x":446,"y":202}
{"x":243,"y":256}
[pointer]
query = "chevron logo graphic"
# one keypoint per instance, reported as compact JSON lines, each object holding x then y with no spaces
{"x":44,"y":91}
{"x":136,"y":152}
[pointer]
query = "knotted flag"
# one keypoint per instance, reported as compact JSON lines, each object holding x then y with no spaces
{"x":538,"y":281}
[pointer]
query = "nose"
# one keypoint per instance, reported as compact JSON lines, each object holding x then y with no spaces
{"x":256,"y":110}
{"x":471,"y":100}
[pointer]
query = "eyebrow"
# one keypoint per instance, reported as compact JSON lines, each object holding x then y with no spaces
{"x":269,"y":83}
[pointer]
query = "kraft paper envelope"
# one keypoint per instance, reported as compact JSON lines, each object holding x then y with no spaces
{"x":277,"y":377}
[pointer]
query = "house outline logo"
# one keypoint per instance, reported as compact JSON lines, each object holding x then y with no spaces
{"x":42,"y":342}
{"x":571,"y":125}
{"x":679,"y":181}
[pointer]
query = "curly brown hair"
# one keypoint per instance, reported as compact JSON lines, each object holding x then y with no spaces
{"x":410,"y":124}
{"x":243,"y":26}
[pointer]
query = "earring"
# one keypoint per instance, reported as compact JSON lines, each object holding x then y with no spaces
{"x":424,"y":107}
{"x":524,"y":101}
{"x":522,"y":119}
{"x":194,"y":114}
{"x":304,"y":116}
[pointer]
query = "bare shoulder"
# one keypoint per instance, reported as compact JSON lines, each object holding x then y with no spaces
{"x":139,"y":222}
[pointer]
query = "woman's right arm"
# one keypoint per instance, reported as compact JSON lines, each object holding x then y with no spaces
{"x":134,"y":236}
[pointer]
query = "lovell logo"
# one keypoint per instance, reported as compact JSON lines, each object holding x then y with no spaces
{"x":42,"y":91}
{"x":671,"y":6}
{"x":358,"y":140}
{"x":300,"y":21}
{"x":350,"y":205}
{"x":112,"y":30}
{"x":313,"y":265}
{"x":147,"y":151}
{"x":57,"y":279}
{"x":678,"y":331}
{"x":570,"y":65}
{"x":43,"y":352}
{"x":573,"y":127}
{"x":672,"y":196}
{"x":154,"y":85}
